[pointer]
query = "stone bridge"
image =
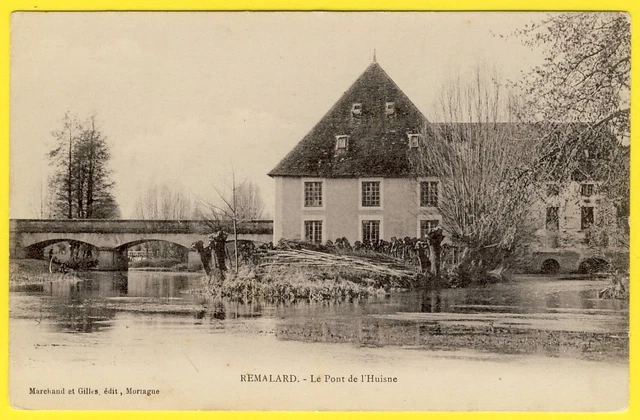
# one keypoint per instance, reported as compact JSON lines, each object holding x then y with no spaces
{"x":29,"y":237}
{"x":553,"y":261}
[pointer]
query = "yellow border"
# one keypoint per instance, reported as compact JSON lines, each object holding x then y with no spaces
{"x":9,"y":6}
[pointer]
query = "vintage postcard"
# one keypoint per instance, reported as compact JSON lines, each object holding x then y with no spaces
{"x":319,"y":211}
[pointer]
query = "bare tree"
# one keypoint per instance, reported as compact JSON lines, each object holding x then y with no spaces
{"x":162,"y":202}
{"x":42,"y":201}
{"x":478,"y":157}
{"x":249,"y":201}
{"x":235,"y":202}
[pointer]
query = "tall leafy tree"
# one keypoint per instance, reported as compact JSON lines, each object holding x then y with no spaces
{"x":81,"y":182}
{"x":579,"y":96}
{"x":585,"y":75}
{"x":61,"y":183}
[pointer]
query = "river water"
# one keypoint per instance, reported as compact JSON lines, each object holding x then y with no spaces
{"x":531,"y":344}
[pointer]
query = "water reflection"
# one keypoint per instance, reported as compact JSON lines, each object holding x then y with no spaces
{"x":93,"y":305}
{"x":77,"y":317}
{"x":432,"y":301}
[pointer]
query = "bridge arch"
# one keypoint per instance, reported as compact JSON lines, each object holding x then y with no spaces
{"x":36,"y":250}
{"x":593,"y":265}
{"x":125,"y":246}
{"x":550,"y":266}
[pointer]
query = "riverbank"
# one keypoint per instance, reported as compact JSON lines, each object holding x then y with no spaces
{"x":28,"y":271}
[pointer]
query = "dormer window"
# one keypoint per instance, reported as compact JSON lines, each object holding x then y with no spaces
{"x":356,"y":109}
{"x":390,"y":108}
{"x":342,"y":142}
{"x":414,"y":141}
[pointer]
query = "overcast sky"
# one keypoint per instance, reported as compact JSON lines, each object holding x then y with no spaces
{"x":183,"y":97}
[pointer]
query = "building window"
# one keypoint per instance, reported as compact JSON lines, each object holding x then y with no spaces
{"x":390,"y":108}
{"x":356,"y":109}
{"x":313,"y":231}
{"x":427,"y":226}
{"x":429,"y":194}
{"x":586,"y":190}
{"x":553,"y":190}
{"x":553,"y":222}
{"x":586,"y":217}
{"x":342,"y":142}
{"x":414,"y":141}
{"x":370,"y":193}
{"x":313,"y":194}
{"x":370,"y":230}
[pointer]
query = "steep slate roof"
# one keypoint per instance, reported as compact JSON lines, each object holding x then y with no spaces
{"x":378,"y":143}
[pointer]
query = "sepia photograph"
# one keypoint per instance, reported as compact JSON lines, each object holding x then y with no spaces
{"x":319,"y":211}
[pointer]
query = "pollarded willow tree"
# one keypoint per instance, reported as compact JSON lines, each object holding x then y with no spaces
{"x":479,"y":159}
{"x":579,"y":98}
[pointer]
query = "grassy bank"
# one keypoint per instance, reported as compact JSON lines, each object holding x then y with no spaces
{"x":289,"y":283}
{"x":32,"y":271}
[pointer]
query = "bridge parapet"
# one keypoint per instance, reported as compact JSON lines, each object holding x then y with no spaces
{"x":136,"y":226}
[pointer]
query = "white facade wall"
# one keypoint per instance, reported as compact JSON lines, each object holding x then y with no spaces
{"x":399,"y":214}
{"x":342,"y":212}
